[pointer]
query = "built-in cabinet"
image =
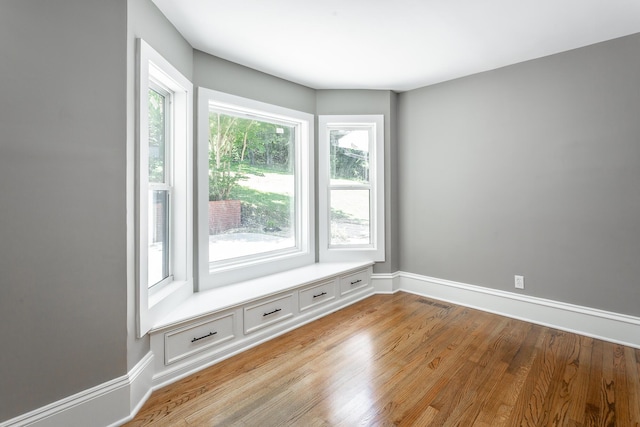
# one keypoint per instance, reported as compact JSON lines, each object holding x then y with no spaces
{"x":216,"y":324}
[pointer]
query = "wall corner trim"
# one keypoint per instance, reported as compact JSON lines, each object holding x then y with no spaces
{"x":109,"y":404}
{"x":608,"y":326}
{"x":386,"y":283}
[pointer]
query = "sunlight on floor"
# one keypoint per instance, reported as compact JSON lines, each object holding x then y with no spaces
{"x":348,"y":404}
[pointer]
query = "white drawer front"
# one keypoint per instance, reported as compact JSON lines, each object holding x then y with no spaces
{"x":317,"y":295}
{"x":354,"y":281}
{"x":267,"y":313}
{"x":191,"y":339}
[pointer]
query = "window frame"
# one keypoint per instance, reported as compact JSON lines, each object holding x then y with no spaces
{"x":375,"y":250}
{"x":156,"y":301}
{"x":216,"y":274}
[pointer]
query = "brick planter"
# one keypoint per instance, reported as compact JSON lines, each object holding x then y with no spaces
{"x":224,"y":215}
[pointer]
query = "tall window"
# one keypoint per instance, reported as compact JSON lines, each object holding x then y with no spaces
{"x":351,"y":187}
{"x":256,"y":193}
{"x":159,"y":184}
{"x":163,"y":197}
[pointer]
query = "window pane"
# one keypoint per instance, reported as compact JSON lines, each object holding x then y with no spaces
{"x":158,"y":251}
{"x":349,"y":156}
{"x":350,"y":217}
{"x":157,"y":136}
{"x":251,"y":186}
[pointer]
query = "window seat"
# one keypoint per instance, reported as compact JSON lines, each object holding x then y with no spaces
{"x":212,"y":325}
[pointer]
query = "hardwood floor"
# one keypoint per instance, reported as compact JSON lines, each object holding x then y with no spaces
{"x":406,"y":360}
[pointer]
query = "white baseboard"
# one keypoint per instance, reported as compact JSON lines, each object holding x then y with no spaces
{"x":141,"y":386}
{"x":108,"y":404}
{"x":604,"y":325}
{"x":386,"y":283}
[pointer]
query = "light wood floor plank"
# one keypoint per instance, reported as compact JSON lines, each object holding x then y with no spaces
{"x":405,"y":360}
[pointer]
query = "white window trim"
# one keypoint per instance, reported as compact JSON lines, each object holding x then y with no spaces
{"x":154,"y":303}
{"x":212,"y":276}
{"x":376,"y":250}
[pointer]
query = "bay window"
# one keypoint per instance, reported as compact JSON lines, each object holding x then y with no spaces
{"x":255,"y":189}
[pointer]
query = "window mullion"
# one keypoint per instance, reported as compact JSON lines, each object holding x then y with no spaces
{"x":159,"y":186}
{"x":350,"y":187}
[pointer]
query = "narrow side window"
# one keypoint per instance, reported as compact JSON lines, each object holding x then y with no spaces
{"x":351,"y":176}
{"x":164,"y":187}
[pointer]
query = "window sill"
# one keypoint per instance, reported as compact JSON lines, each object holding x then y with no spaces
{"x":201,"y":304}
{"x":168,"y":291}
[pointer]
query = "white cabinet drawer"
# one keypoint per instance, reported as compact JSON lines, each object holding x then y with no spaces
{"x":354,"y":281}
{"x":263,"y":314}
{"x":317,"y":295}
{"x":184,"y":342}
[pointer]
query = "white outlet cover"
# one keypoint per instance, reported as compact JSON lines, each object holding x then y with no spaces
{"x":519,"y":281}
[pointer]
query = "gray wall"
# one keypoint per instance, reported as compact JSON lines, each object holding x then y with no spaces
{"x":145,"y":21}
{"x":63,"y":294}
{"x":530,"y":169}
{"x":218,"y":74}
{"x":373,"y":102}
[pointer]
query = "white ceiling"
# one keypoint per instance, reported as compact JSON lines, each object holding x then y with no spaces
{"x":393,"y":44}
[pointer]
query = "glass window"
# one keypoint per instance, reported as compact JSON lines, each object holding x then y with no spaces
{"x":158,"y":237}
{"x":256,"y":188}
{"x":157,"y":134}
{"x":159,"y":208}
{"x":351,"y":181}
{"x":349,"y":186}
{"x":350,"y":217}
{"x":252,"y":191}
{"x":164,"y":185}
{"x":349,"y":155}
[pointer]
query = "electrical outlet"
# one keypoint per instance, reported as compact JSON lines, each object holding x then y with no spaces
{"x":519,"y":282}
